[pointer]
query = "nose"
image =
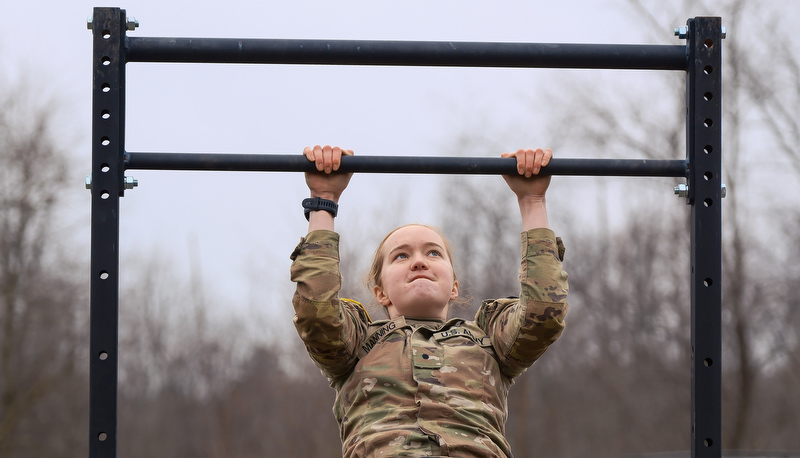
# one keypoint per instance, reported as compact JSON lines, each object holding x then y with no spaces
{"x":419,"y":262}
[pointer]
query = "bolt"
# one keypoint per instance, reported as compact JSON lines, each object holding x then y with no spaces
{"x":89,"y":21}
{"x":682,"y":190}
{"x":88,"y":182}
{"x":131,"y":182}
{"x":723,"y":32}
{"x":132,"y":23}
{"x":681,"y":32}
{"x":723,"y":191}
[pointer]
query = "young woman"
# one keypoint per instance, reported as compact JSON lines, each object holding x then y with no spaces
{"x":418,"y":384}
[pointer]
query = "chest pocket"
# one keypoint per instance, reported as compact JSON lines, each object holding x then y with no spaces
{"x":428,"y":356}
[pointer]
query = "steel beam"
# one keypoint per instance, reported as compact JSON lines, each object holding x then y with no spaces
{"x":704,"y":153}
{"x":108,"y":139}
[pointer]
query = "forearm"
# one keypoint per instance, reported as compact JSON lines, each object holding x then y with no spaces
{"x":541,"y":273}
{"x":315,"y":266}
{"x":533,"y":210}
{"x":320,"y":221}
{"x":330,"y":334}
{"x":539,"y":315}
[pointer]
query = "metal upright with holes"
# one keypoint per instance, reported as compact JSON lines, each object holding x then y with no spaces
{"x":700,"y":57}
{"x":106,"y":182}
{"x":704,"y":153}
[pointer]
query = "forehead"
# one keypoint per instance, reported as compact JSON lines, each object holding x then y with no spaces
{"x":413,"y":235}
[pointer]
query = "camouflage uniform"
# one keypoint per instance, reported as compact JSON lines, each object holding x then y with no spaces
{"x":408,"y":387}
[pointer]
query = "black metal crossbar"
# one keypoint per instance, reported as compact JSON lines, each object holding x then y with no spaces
{"x":403,"y":164}
{"x":406,"y":53}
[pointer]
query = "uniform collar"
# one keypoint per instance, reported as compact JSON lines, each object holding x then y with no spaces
{"x":434,"y":324}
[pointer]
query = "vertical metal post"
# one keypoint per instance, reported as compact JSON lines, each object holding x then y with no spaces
{"x":704,"y":149}
{"x":108,"y":108}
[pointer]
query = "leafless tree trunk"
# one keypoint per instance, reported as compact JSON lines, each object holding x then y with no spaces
{"x":41,"y":327}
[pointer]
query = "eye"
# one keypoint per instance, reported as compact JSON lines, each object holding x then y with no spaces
{"x":400,"y":256}
{"x":434,"y":253}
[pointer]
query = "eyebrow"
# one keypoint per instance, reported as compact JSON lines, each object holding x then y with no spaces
{"x":406,"y":246}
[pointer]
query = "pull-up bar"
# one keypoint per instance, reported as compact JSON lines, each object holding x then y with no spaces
{"x":403,"y":164}
{"x":405,"y":53}
{"x":700,"y":58}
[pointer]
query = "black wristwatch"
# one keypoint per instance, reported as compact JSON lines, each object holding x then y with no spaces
{"x":318,"y":203}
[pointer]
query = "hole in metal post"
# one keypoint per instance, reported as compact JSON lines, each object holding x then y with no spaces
{"x":106,"y":60}
{"x":708,"y":176}
{"x":707,"y":282}
{"x":708,"y":69}
{"x":106,"y":34}
{"x":709,"y":43}
{"x":708,"y":149}
{"x":708,"y":122}
{"x":103,"y":356}
{"x":708,"y":362}
{"x":105,"y":87}
{"x":105,"y":168}
{"x":104,"y":275}
{"x":105,"y":195}
{"x":102,"y":437}
{"x":708,"y":96}
{"x":708,"y":203}
{"x":105,"y":114}
{"x":105,"y":141}
{"x":708,"y":442}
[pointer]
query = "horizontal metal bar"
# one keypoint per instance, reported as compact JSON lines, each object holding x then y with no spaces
{"x":406,"y":53}
{"x":402,"y":164}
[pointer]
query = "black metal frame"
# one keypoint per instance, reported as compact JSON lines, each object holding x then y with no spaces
{"x":700,"y":58}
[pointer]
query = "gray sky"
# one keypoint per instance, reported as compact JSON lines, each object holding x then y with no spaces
{"x":234,"y":227}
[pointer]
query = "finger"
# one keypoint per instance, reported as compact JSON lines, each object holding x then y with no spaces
{"x":530,"y":158}
{"x":336,"y":158}
{"x":537,"y":160}
{"x":505,"y":154}
{"x":520,"y":155}
{"x":327,"y":158}
{"x":347,"y":152}
{"x":548,"y":154}
{"x":308,"y":153}
{"x":318,"y":159}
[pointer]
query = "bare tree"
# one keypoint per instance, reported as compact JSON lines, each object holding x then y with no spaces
{"x":42,"y":322}
{"x":195,"y":382}
{"x":621,"y":370}
{"x":753,"y":312}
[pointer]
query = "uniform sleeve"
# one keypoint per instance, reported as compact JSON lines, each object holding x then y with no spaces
{"x":332,"y":329}
{"x":522,"y":329}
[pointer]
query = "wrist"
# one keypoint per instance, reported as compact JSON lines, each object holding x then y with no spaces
{"x":533,"y":210}
{"x":319,"y":205}
{"x":532,"y":199}
{"x":325,"y":195}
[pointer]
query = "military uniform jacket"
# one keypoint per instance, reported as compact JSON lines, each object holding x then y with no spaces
{"x":407,"y":387}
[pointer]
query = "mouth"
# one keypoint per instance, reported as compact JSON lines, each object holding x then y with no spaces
{"x":420,"y":277}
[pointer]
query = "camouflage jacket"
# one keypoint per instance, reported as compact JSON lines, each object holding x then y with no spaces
{"x":407,"y":387}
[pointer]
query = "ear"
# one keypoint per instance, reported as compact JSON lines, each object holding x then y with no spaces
{"x":454,"y":293}
{"x":381,"y":297}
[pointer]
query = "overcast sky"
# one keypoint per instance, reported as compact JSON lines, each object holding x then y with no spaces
{"x":233,"y":227}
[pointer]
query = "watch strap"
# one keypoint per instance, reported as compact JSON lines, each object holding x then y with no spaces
{"x":313,"y":204}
